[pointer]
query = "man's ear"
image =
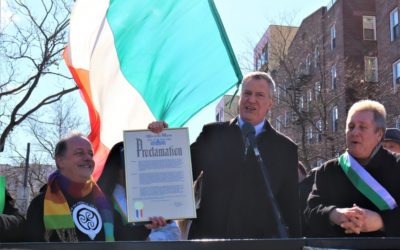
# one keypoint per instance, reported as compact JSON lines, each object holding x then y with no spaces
{"x":270,"y":104}
{"x":381,"y":134}
{"x":59,"y":162}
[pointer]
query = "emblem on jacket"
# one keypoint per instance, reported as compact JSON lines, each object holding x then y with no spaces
{"x":87,"y":219}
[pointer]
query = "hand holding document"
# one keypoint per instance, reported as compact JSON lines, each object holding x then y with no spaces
{"x":158,"y":175}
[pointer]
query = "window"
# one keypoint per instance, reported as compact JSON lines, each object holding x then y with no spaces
{"x":287,"y":118}
{"x":371,"y":69}
{"x":262,"y":60}
{"x":294,"y":117}
{"x":335,"y":119}
{"x":309,"y":135}
{"x":264,"y":55}
{"x":316,"y":57}
{"x":301,"y":103}
{"x":284,"y":89}
{"x":394,"y":24}
{"x":333,"y":37}
{"x":308,"y":65}
{"x":396,"y":74}
{"x":278,"y":123}
{"x":333,"y":77}
{"x":319,"y":131}
{"x":278,"y":95}
{"x":317,"y":91}
{"x":309,"y":99}
{"x":220,"y":115}
{"x":369,"y":27}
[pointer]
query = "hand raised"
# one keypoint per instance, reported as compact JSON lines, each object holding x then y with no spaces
{"x":157,"y":126}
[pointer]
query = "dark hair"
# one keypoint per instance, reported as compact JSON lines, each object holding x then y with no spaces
{"x":109,"y":176}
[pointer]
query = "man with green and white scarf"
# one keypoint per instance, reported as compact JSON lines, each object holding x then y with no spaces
{"x":357,"y":194}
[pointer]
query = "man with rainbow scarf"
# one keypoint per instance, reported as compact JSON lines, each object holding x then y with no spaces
{"x":71,"y":207}
{"x":357,"y":194}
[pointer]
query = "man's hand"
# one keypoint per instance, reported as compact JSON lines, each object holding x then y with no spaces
{"x":356,"y":219}
{"x":350,"y":219}
{"x":156,"y":222}
{"x":157,"y":126}
{"x":371,"y":222}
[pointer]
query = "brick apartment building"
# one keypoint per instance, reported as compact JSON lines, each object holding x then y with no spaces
{"x":341,"y":53}
{"x":272,"y":46}
{"x":267,"y":54}
{"x":227,"y":108}
{"x":388,"y":35}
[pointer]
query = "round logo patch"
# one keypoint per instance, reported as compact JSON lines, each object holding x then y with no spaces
{"x":87,"y":219}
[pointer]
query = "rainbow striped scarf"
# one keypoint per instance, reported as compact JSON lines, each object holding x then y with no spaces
{"x":57,"y":214}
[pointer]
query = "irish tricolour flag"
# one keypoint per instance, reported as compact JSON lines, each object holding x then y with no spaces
{"x":137,"y":61}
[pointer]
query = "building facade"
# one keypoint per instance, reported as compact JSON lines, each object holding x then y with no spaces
{"x":340,"y":54}
{"x":388,"y":35}
{"x":272,"y":47}
{"x":227,"y":108}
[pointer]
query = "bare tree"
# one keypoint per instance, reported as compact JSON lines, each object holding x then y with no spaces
{"x":31,"y":46}
{"x":305,"y":92}
{"x":37,"y":177}
{"x":60,"y":119}
{"x":311,"y":93}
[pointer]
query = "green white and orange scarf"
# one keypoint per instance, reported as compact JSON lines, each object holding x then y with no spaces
{"x":57,"y":214}
{"x":366,"y":184}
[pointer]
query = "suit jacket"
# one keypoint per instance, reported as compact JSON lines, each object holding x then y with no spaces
{"x":234,"y":201}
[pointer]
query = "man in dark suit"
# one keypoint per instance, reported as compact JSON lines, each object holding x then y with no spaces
{"x":234,"y":199}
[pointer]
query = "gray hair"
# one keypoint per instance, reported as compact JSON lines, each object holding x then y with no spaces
{"x":375,"y":107}
{"x":259,"y":75}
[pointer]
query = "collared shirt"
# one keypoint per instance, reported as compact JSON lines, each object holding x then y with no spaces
{"x":259,"y":127}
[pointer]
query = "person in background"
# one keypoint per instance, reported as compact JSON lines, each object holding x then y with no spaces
{"x":391,"y":141}
{"x":303,"y":190}
{"x":112,"y":182}
{"x":357,"y":194}
{"x":234,"y":200}
{"x":10,"y":218}
{"x":301,"y":172}
{"x":305,"y":187}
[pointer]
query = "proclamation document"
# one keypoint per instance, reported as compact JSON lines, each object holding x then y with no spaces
{"x":158,"y":173}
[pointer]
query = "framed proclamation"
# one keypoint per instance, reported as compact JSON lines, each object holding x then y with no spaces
{"x":158,"y":172}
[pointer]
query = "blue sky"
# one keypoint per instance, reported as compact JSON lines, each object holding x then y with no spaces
{"x":245,"y":22}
